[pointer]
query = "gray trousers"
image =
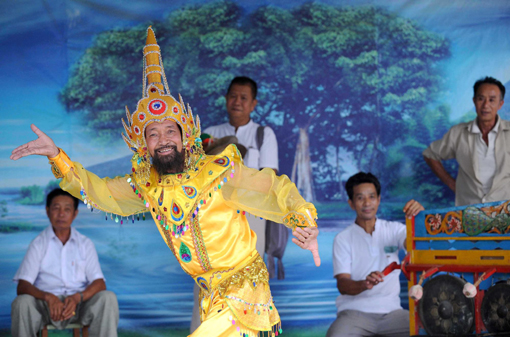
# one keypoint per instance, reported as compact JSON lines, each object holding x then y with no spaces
{"x":357,"y":323}
{"x":100,"y":313}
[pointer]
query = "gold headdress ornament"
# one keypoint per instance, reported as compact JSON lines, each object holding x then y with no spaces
{"x":157,"y":105}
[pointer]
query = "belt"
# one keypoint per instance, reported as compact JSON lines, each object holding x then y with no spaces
{"x":251,"y":269}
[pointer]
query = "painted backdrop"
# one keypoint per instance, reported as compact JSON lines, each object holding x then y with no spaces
{"x":369,"y":83}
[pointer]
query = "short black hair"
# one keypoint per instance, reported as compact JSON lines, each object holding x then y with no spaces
{"x":489,"y":80}
{"x":243,"y":80}
{"x":57,"y":192}
{"x":361,"y":178}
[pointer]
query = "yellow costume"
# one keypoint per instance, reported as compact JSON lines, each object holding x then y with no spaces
{"x":200,"y":213}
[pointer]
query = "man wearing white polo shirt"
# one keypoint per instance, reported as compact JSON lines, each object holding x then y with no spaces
{"x":369,"y":302}
{"x":60,"y":281}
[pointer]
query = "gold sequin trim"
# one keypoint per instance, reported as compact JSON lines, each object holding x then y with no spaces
{"x":294,"y":219}
{"x":55,"y":170}
{"x":254,"y":273}
{"x":198,"y":242}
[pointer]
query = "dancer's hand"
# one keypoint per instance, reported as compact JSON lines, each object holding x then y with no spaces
{"x":306,"y":238}
{"x":43,"y":146}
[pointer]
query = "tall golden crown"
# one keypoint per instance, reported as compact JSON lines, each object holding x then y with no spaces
{"x":157,"y":105}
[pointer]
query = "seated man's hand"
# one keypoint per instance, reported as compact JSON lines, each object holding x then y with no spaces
{"x":55,"y":306}
{"x":306,"y":238}
{"x":412,"y":208}
{"x":70,"y":304}
{"x":374,"y":278}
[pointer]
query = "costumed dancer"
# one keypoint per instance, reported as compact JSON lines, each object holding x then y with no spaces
{"x":199,"y":204}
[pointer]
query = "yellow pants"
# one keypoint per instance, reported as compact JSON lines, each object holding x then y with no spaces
{"x":222,"y":323}
{"x":245,"y":296}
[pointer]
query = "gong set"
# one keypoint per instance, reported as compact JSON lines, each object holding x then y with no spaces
{"x":445,"y":310}
{"x":443,"y":245}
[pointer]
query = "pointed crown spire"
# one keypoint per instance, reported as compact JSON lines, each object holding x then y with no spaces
{"x":153,"y":64}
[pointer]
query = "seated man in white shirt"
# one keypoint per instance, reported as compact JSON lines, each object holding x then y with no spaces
{"x":369,"y":302}
{"x":60,"y":280}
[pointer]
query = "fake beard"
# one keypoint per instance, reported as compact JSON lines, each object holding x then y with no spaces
{"x":171,"y":163}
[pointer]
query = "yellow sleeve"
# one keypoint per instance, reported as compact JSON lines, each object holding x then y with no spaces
{"x":109,"y":195}
{"x":266,"y":195}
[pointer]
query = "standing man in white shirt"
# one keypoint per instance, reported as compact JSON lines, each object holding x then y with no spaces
{"x":481,"y":148}
{"x":60,"y":280}
{"x":369,"y":302}
{"x":259,"y":141}
{"x":241,"y":100}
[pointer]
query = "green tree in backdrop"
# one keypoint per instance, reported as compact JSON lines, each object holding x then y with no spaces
{"x":362,"y":80}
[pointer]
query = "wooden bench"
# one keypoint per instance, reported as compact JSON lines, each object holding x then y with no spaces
{"x":75,"y":326}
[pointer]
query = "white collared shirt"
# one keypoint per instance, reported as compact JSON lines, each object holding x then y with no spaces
{"x":485,"y":156}
{"x":60,"y":269}
{"x":247,"y":136}
{"x":460,"y":143}
{"x":358,"y":253}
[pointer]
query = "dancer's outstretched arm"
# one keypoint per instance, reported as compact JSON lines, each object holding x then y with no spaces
{"x":276,"y":198}
{"x":109,"y":195}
